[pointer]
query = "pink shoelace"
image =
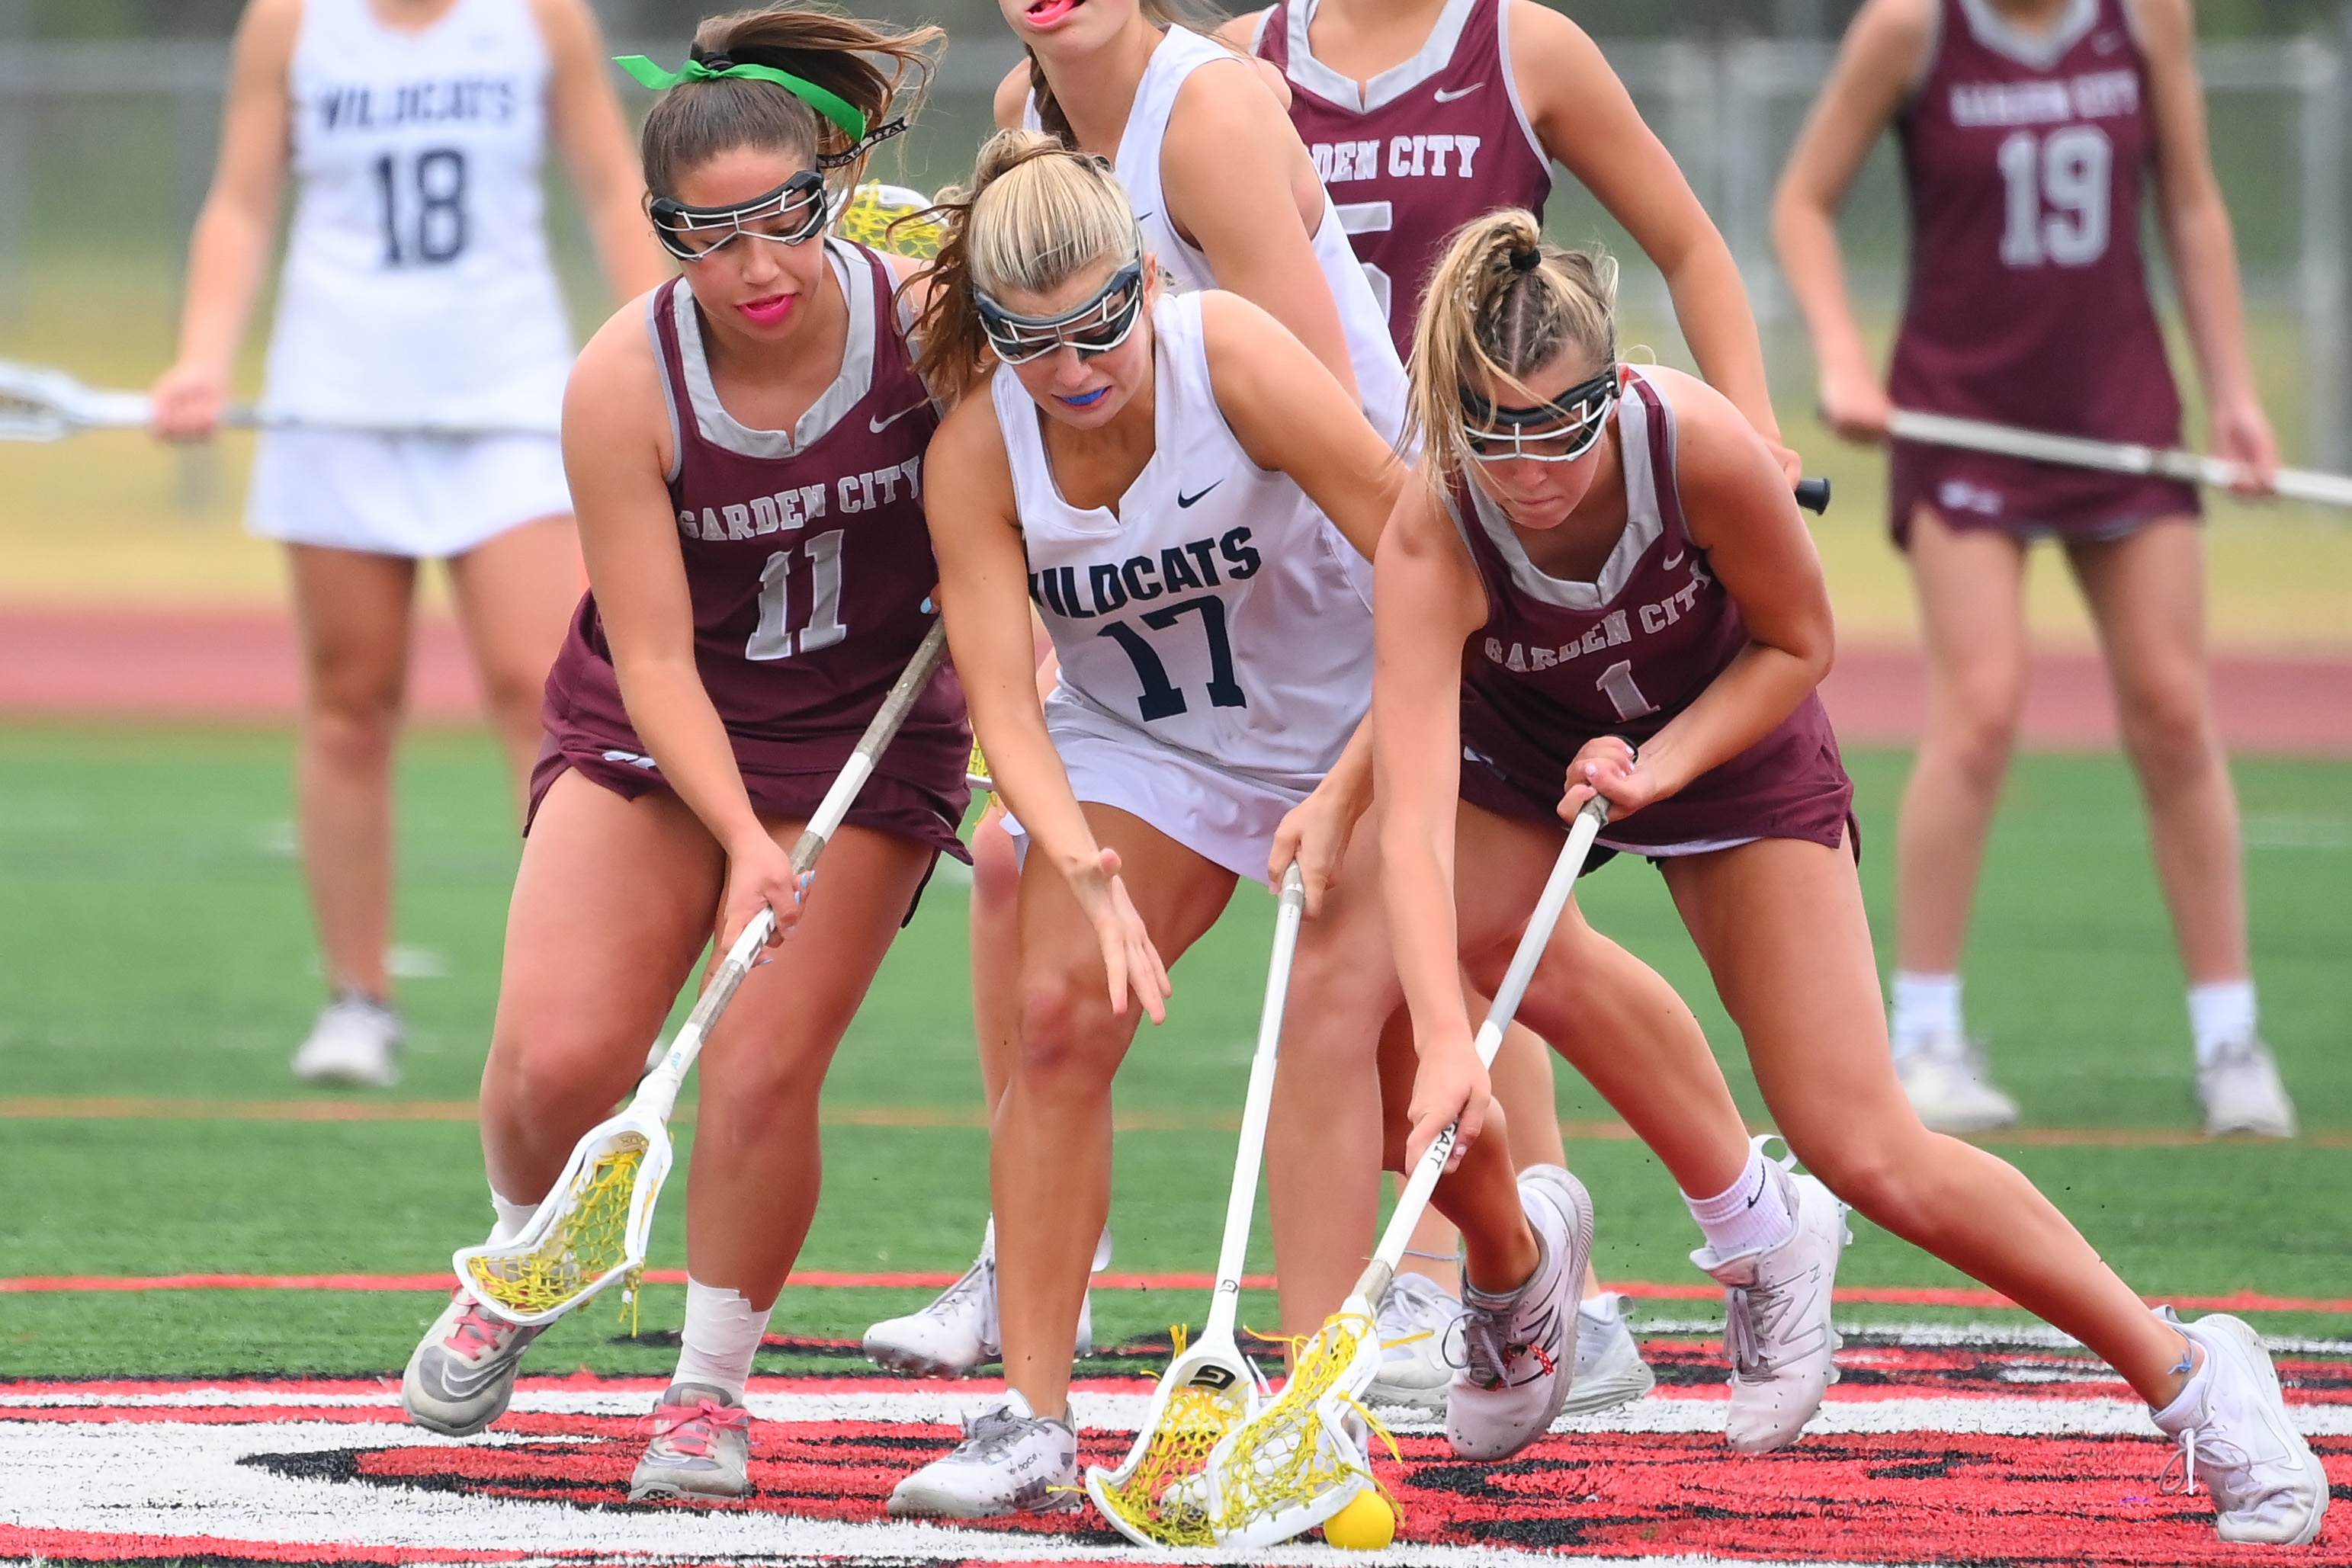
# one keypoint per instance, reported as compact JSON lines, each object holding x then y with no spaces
{"x":694,"y":1430}
{"x":477,"y":1332}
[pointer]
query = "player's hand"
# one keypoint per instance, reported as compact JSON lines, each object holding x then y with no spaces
{"x":2241,"y":434}
{"x":1130,"y":960}
{"x":1792,"y":466}
{"x":760,"y":875}
{"x":1853,"y":404}
{"x":1605,"y":765}
{"x":1449,"y":1087}
{"x":186,"y":403}
{"x":1315,"y":833}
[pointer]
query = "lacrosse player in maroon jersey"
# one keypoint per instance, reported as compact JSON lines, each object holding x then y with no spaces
{"x":2028,"y":128}
{"x":1419,"y":117}
{"x":1603,"y":587}
{"x":747,"y":446}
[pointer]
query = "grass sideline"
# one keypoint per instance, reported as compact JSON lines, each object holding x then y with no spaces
{"x":159,"y":946}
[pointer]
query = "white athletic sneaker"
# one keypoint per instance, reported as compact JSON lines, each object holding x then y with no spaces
{"x":1949,"y":1086}
{"x":1414,"y":1324}
{"x":1777,"y":1317}
{"x":1517,"y":1352}
{"x":2243,"y":1094}
{"x":1610,"y":1370}
{"x":701,"y":1448}
{"x":356,"y":1041}
{"x":1011,"y":1461}
{"x":2234,"y":1434}
{"x":461,"y":1376}
{"x":956,"y":1335}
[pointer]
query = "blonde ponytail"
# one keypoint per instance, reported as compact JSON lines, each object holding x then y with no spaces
{"x":1036,"y":216}
{"x":1501,"y":306}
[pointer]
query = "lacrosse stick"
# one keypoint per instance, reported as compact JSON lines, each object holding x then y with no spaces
{"x":2108,"y":456}
{"x":888,"y":217}
{"x":1210,"y":1387}
{"x":1294,"y":1464}
{"x":592,"y":1226}
{"x":40,"y":404}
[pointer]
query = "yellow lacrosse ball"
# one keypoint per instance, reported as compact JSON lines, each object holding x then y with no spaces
{"x":1367,"y":1524}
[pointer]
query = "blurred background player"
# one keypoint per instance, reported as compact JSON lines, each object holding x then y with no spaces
{"x":2027,"y":128}
{"x":1421,"y":116}
{"x":416,"y":293}
{"x":747,"y":444}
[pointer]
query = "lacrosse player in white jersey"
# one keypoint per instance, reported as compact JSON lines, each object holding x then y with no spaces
{"x":419,"y":355}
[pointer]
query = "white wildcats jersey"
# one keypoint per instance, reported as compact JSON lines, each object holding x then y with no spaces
{"x":1379,"y":375}
{"x":417,"y":288}
{"x":1217,"y":611}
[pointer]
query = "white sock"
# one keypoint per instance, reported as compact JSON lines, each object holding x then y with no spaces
{"x":2219,"y":1014}
{"x":988,"y":1239}
{"x":1926,"y":1007}
{"x":1600,"y":1309}
{"x":722,"y":1334}
{"x":1751,"y":1214}
{"x":512,"y":1217}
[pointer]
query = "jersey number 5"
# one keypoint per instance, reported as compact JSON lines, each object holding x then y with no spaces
{"x":2066,"y":174}
{"x":1161,"y":699}
{"x":433,"y":201}
{"x":773,"y":638}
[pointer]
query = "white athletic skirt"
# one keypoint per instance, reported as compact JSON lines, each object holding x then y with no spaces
{"x":428,"y":496}
{"x":1226,"y":816}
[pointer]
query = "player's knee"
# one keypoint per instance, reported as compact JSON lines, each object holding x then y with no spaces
{"x":995,"y":870}
{"x":1875,"y":1176}
{"x":1063,"y":1016}
{"x":1981,"y":727}
{"x":545,"y":1076}
{"x":354,"y":719}
{"x":2169,"y":735}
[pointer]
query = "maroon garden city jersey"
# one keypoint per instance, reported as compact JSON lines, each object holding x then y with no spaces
{"x":1431,"y":144}
{"x":2028,"y":301}
{"x":1558,"y":663}
{"x":807,"y":561}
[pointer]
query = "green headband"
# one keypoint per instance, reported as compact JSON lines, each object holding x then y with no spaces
{"x":831,"y":105}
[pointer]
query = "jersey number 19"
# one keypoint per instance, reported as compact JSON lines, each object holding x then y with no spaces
{"x":2056,"y":190}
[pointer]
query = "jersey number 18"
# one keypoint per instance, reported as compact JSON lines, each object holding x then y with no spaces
{"x":423,"y":216}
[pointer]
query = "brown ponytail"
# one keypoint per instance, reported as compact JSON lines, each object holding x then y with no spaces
{"x":1163,"y":14}
{"x":1035,"y":216}
{"x":694,"y":121}
{"x":1501,"y":306}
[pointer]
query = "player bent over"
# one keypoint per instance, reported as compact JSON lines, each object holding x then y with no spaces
{"x":747,"y":444}
{"x":1605,"y":558}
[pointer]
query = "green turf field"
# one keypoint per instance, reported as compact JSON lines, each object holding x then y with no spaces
{"x":153,"y":943}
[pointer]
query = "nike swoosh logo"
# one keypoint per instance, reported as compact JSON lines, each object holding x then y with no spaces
{"x":879,"y":426}
{"x":1445,"y":97}
{"x":1672,"y":560}
{"x":1184,"y":500}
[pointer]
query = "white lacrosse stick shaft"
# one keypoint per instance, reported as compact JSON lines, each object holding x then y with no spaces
{"x":2108,"y":456}
{"x":38,"y":403}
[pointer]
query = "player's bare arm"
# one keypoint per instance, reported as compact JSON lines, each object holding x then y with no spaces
{"x":1588,"y":121}
{"x":585,"y":115}
{"x":238,"y":228}
{"x":1875,"y":68}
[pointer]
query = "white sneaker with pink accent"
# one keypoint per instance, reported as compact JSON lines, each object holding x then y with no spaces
{"x":701,"y":1448}
{"x":461,"y":1376}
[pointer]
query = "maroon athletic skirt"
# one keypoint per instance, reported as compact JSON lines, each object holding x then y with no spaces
{"x":2027,"y":500}
{"x":1791,"y":784}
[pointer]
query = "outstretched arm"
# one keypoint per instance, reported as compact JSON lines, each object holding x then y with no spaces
{"x":1587,"y":121}
{"x":984,"y":597}
{"x":1883,"y":53}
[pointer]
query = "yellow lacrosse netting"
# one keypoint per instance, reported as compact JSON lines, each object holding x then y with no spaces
{"x":888,"y":218}
{"x":1154,"y":1498}
{"x":1283,"y":1458}
{"x":589,"y":1241}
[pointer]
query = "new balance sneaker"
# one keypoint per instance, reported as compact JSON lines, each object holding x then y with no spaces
{"x":2235,"y":1436}
{"x":2243,"y":1094}
{"x":700,"y":1449}
{"x":956,"y":1335}
{"x":1414,"y":1322}
{"x":1011,"y":1460}
{"x":1777,"y":1317}
{"x":1610,"y":1370}
{"x":1518,"y":1352}
{"x":355,"y":1040}
{"x":1948,"y":1085}
{"x":461,"y":1376}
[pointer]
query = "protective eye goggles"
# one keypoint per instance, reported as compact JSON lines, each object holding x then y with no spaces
{"x":1097,"y":327}
{"x":1560,"y":431}
{"x":793,"y":213}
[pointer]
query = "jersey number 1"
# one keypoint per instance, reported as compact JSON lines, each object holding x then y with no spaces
{"x":435,"y":196}
{"x":773,"y":638}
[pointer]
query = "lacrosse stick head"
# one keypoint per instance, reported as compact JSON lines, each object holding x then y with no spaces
{"x":1156,"y":1498}
{"x":590,"y":1230}
{"x":1296,"y":1463}
{"x":40,"y":404}
{"x":889,"y":217}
